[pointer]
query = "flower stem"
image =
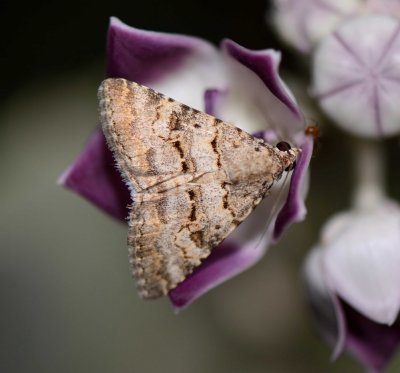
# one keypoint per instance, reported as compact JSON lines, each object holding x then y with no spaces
{"x":369,"y":173}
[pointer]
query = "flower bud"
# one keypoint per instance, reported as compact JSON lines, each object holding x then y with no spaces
{"x":356,"y":76}
{"x":302,"y":23}
{"x":353,"y":283}
{"x":362,"y":260}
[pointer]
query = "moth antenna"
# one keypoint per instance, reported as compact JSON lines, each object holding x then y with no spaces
{"x":281,"y":135}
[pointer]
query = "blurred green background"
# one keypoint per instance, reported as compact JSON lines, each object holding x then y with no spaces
{"x":68,"y":303}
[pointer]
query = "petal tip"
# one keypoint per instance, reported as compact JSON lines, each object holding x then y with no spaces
{"x":115,"y":21}
{"x":294,"y":209}
{"x":62,"y":179}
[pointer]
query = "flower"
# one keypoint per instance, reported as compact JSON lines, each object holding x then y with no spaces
{"x":302,"y":23}
{"x":353,"y":283}
{"x":235,"y":84}
{"x":389,"y":7}
{"x":356,"y":76}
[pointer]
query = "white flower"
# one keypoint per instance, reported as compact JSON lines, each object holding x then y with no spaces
{"x":353,"y":280}
{"x":302,"y":23}
{"x":356,"y":75}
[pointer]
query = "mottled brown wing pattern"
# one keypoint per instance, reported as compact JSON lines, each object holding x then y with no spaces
{"x":193,"y":179}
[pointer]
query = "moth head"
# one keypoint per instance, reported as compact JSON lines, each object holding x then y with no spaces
{"x":284,"y":146}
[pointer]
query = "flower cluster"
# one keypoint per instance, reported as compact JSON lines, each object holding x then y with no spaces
{"x":352,"y":275}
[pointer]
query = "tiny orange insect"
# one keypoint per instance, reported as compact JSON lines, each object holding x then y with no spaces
{"x":315,"y":132}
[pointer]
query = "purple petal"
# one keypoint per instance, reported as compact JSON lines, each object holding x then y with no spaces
{"x":371,"y":343}
{"x":147,"y":56}
{"x":93,"y":175}
{"x":211,"y":98}
{"x":265,"y":64}
{"x":294,"y":208}
{"x":269,"y":136}
{"x":224,"y":262}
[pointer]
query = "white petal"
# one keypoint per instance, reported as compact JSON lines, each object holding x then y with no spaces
{"x":199,"y":73}
{"x":258,"y":99}
{"x":313,"y":271}
{"x":363,"y":262}
{"x":329,"y":315}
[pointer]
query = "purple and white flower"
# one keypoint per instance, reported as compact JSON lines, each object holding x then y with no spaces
{"x":353,"y":283}
{"x":233,"y":83}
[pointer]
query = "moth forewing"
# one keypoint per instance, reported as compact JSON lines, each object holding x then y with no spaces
{"x":194,"y":178}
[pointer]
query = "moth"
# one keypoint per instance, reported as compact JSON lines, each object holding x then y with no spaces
{"x":193,"y":179}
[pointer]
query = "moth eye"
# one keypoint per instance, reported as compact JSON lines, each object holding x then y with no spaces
{"x":283,"y":146}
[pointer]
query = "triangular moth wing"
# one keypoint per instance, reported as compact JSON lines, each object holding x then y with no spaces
{"x":193,"y":179}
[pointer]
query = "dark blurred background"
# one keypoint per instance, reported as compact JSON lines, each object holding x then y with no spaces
{"x":45,"y":38}
{"x":68,"y":303}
